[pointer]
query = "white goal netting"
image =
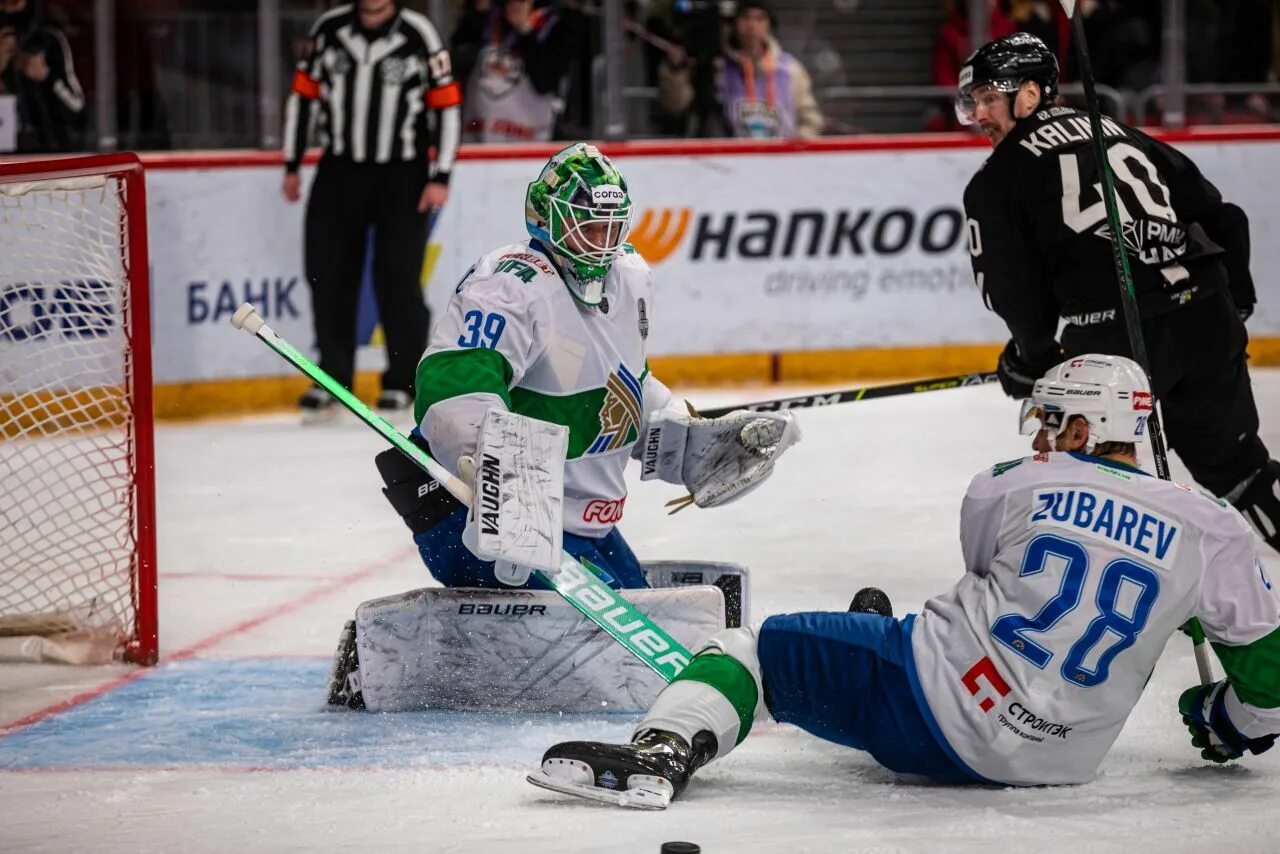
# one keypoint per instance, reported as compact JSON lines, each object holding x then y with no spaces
{"x":69,"y":485}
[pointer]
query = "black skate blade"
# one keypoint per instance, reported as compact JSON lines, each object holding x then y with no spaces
{"x":638,"y":798}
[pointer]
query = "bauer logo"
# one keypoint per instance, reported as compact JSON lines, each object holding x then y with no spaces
{"x":483,"y":609}
{"x":966,"y":75}
{"x":618,"y":617}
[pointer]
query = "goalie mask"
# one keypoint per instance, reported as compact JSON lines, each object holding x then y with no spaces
{"x":1111,"y":392}
{"x":1005,"y":64}
{"x":580,"y":209}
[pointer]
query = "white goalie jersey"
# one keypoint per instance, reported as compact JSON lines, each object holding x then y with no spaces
{"x":1078,"y":571}
{"x":513,"y":336}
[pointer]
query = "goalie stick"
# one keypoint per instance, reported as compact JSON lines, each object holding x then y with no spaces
{"x":579,"y":586}
{"x":853,"y":395}
{"x":1128,"y":301}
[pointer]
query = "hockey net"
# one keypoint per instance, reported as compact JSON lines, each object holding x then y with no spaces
{"x":77,"y":549}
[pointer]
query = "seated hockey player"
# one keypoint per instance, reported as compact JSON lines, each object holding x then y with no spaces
{"x":1079,"y":568}
{"x":555,"y":329}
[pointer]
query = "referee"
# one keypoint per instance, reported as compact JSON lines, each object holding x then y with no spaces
{"x":370,"y":74}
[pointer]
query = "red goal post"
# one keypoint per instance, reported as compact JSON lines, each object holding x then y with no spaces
{"x":77,"y":457}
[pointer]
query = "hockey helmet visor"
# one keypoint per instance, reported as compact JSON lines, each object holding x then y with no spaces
{"x":1036,"y":415}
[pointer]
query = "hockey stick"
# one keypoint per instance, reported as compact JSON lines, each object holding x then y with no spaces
{"x":1128,"y":301}
{"x":579,"y":586}
{"x":855,"y":394}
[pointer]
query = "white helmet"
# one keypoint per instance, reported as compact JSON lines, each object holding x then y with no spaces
{"x":1111,"y":392}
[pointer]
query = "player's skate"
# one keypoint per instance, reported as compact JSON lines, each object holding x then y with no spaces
{"x":645,"y":774}
{"x":344,"y":677}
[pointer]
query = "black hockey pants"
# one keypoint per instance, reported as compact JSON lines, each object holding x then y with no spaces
{"x":346,"y":200}
{"x":1201,"y":377}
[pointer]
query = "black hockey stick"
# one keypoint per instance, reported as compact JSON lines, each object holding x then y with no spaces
{"x":1128,"y":301}
{"x":855,"y":394}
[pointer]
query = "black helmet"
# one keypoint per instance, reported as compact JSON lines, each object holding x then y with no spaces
{"x":1007,"y":63}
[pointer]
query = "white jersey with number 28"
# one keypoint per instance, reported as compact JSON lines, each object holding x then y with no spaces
{"x":1078,"y":571}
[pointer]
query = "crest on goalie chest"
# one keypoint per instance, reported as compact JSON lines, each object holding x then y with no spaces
{"x":620,"y":411}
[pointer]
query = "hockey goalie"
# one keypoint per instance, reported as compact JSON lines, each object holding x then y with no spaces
{"x":535,"y":389}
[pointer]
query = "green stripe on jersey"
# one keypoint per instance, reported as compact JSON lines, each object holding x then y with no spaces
{"x":731,"y":678}
{"x":451,"y":373}
{"x":580,"y":412}
{"x":1254,"y":670}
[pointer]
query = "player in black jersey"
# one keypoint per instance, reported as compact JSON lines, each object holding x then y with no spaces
{"x":1041,"y":254}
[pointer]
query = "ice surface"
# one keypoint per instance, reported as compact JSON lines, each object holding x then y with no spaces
{"x":226,"y":747}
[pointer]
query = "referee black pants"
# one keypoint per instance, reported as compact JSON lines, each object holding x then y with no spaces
{"x":1201,"y":377}
{"x":347,"y":199}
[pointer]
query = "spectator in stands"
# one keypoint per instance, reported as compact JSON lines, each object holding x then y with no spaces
{"x":950,"y":49}
{"x":513,"y":59}
{"x":1232,"y":45}
{"x":762,"y":91}
{"x":41,"y":74}
{"x":685,"y":40}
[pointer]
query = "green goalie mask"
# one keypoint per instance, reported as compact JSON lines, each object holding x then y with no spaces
{"x":579,"y":208}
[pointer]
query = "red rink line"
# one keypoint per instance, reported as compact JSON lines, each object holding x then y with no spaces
{"x":214,"y":639}
{"x":240,"y":576}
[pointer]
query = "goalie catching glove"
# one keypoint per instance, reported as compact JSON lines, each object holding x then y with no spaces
{"x":718,"y":459}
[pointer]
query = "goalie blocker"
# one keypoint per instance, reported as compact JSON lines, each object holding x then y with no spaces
{"x":528,"y":650}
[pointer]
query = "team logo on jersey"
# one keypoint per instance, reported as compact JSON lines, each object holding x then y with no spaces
{"x":1000,"y":468}
{"x":644,"y":319}
{"x":620,"y":412}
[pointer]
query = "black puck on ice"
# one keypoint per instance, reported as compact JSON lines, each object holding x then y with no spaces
{"x":871,"y":600}
{"x":680,"y":848}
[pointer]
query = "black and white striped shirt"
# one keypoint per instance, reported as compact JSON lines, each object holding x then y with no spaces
{"x":367,"y":93}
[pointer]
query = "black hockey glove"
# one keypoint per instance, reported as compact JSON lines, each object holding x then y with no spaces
{"x":1245,"y":311}
{"x":418,"y":497}
{"x":1018,"y":376}
{"x":1204,"y":712}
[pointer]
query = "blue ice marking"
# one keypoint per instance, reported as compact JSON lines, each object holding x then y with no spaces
{"x":270,"y":713}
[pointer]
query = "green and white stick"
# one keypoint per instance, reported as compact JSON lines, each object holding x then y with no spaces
{"x":578,"y":585}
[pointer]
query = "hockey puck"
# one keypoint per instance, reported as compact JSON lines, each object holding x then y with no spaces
{"x":871,"y":600}
{"x":680,"y":848}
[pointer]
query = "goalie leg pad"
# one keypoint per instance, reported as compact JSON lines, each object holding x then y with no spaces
{"x":731,"y":578}
{"x":515,"y":650}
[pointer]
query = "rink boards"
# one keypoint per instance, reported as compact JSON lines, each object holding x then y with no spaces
{"x":835,"y":259}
